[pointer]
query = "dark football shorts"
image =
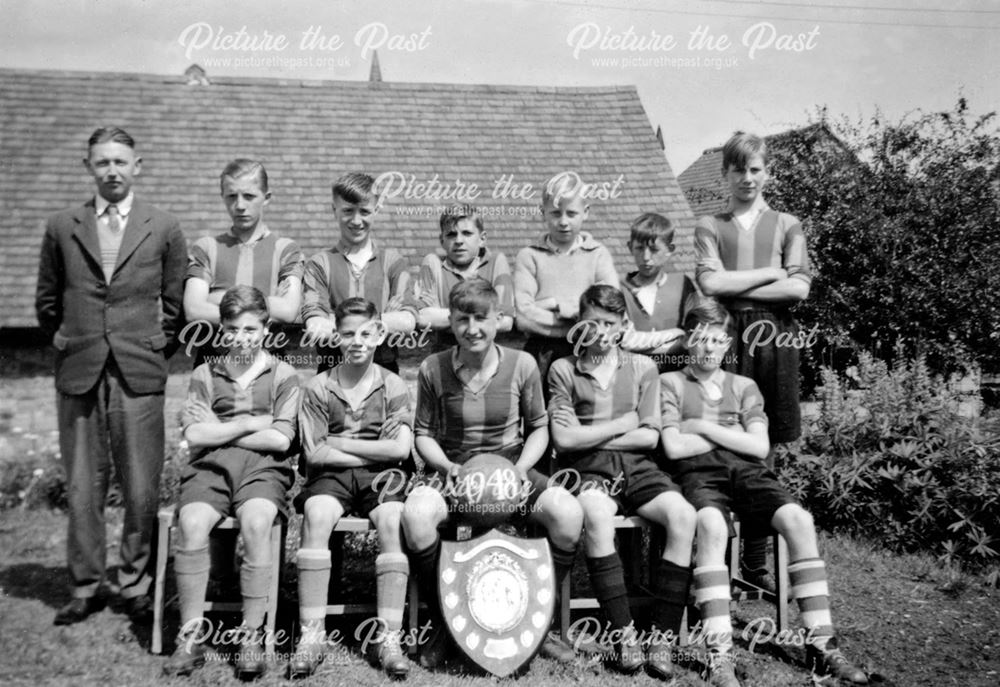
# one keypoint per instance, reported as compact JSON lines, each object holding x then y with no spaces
{"x":631,"y":478}
{"x":359,"y":490}
{"x":227,"y":477}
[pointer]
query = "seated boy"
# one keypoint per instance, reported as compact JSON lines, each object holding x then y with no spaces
{"x":357,"y":266}
{"x":715,"y":435}
{"x":655,"y":298}
{"x":355,"y":422}
{"x":466,"y":256}
{"x":239,"y":421}
{"x":604,"y":415}
{"x":477,"y":398}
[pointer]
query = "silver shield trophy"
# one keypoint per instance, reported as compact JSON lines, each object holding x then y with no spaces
{"x":497,"y":597}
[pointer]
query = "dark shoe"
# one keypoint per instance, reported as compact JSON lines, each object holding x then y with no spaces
{"x":659,"y":659}
{"x":555,"y":648}
{"x":760,"y":577}
{"x":250,"y":663}
{"x":308,"y":654}
{"x":78,"y":609}
{"x":391,"y":657}
{"x":139,"y":609}
{"x":629,"y":657}
{"x":187,"y":657}
{"x":435,"y":652}
{"x":830,"y":662}
{"x":721,"y":671}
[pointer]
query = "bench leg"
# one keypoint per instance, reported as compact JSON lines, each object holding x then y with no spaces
{"x":162,"y":551}
{"x":781,"y":580}
{"x":277,"y":561}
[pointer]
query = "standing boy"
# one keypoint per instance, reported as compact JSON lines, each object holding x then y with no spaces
{"x":249,"y":253}
{"x":466,"y":256}
{"x":715,"y":436}
{"x":110,"y":282}
{"x":754,"y":261}
{"x":550,"y":274}
{"x":239,"y":420}
{"x":605,"y":423}
{"x":654,"y":297}
{"x":355,"y":421}
{"x":476,"y":398}
{"x":356,"y":267}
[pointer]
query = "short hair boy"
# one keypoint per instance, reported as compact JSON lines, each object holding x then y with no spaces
{"x":465,"y":256}
{"x":358,"y":266}
{"x":248,"y":253}
{"x":655,"y":298}
{"x":239,"y":421}
{"x":550,"y":274}
{"x":754,"y":260}
{"x":715,"y":437}
{"x":355,"y":423}
{"x":604,"y":417}
{"x":476,"y":398}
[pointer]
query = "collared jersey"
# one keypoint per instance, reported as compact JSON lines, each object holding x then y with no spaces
{"x":633,"y":387}
{"x":326,"y":411}
{"x":330,"y":279}
{"x":275,"y":392}
{"x":224,"y":261}
{"x":684,"y":397}
{"x":673,"y":291}
{"x":438,"y":277}
{"x":466,"y":423}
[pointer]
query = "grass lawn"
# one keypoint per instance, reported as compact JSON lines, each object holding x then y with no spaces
{"x":900,"y":616}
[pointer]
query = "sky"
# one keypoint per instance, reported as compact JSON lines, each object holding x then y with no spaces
{"x":702,"y":69}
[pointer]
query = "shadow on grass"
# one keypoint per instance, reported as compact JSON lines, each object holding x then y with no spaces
{"x":33,"y":581}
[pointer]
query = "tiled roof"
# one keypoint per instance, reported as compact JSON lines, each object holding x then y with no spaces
{"x":702,"y":182}
{"x":308,"y":133}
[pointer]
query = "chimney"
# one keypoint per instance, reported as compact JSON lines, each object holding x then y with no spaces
{"x":196,"y":76}
{"x":375,"y":75}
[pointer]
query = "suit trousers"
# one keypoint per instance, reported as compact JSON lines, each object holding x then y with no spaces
{"x":111,"y":425}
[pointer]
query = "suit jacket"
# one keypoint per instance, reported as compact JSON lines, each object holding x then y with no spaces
{"x":135,"y":317}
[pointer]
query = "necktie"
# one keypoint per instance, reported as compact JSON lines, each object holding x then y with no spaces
{"x":114,"y":219}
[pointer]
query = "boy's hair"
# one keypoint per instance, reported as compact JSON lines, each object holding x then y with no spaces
{"x":563,"y":186}
{"x":111,"y":134}
{"x":708,"y":312}
{"x":355,"y":306}
{"x":242,"y":167}
{"x":243,"y":299}
{"x":604,"y":297}
{"x":650,"y":226}
{"x":738,"y":150}
{"x":354,"y":187}
{"x":473,"y":297}
{"x":456,"y":213}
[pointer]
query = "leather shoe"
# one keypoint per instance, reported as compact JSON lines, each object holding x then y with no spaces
{"x":831,"y":662}
{"x":250,"y":663}
{"x":659,"y":661}
{"x":139,"y":609}
{"x":391,"y":657}
{"x":78,"y":609}
{"x":187,"y":657}
{"x":630,"y":657}
{"x":721,"y":671}
{"x":308,"y":654}
{"x":555,"y":648}
{"x":435,"y":652}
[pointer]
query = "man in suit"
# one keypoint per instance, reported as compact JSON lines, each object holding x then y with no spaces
{"x":110,"y":286}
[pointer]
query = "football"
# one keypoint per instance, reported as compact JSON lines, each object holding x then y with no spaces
{"x":486,"y":491}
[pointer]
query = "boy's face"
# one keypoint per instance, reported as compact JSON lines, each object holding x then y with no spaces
{"x":113,"y":166}
{"x":475,"y":332}
{"x":462,"y":242}
{"x":602,"y":329}
{"x":359,"y":337}
{"x":244,"y":201}
{"x":650,"y":257}
{"x":355,"y":219}
{"x":245,"y":334}
{"x":746,"y":184}
{"x":565,"y":219}
{"x":707,"y":346}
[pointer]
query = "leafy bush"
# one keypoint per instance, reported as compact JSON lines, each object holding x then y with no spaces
{"x":890,"y":458}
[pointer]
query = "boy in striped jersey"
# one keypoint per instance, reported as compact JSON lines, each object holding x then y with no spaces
{"x":715,"y":436}
{"x":249,"y":253}
{"x":239,"y":420}
{"x":754,"y":260}
{"x":355,"y":423}
{"x":655,"y":298}
{"x":358,"y":266}
{"x":466,"y":256}
{"x":605,"y":422}
{"x":475,"y":398}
